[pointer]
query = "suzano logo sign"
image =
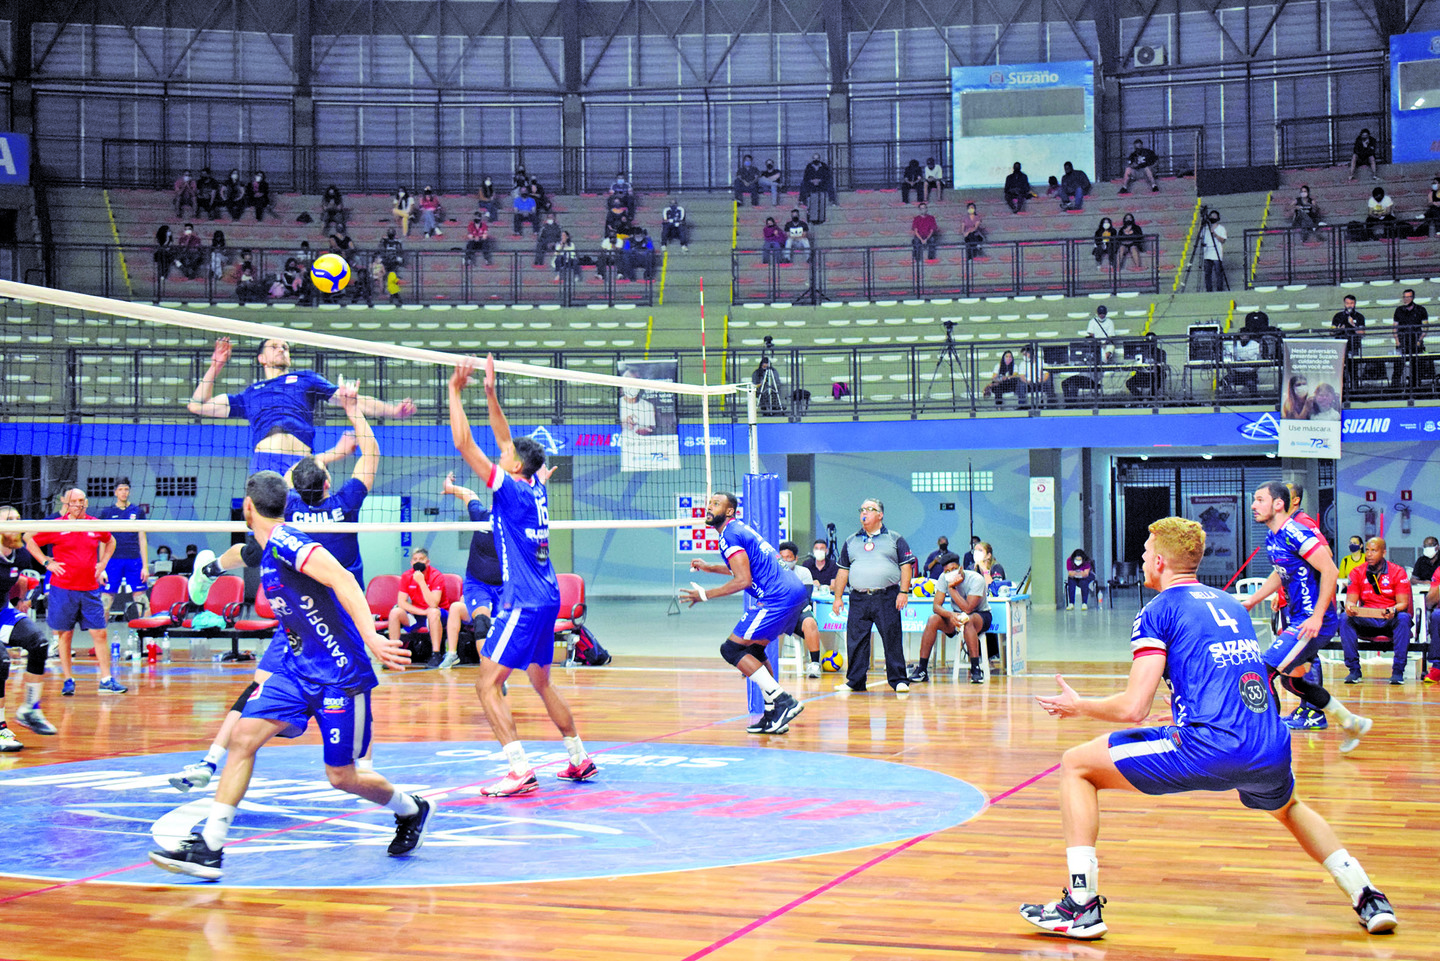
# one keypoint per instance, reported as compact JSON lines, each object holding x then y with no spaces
{"x":1023,"y":78}
{"x":1365,"y":425}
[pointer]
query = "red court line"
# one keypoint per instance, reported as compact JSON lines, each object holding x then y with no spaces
{"x":853,"y":872}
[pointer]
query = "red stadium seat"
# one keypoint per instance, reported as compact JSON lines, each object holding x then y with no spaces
{"x":264,"y":620}
{"x":169,"y":597}
{"x":572,"y":611}
{"x":381,"y":594}
{"x":226,"y":598}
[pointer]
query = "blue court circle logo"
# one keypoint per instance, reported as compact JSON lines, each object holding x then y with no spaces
{"x":653,"y":808}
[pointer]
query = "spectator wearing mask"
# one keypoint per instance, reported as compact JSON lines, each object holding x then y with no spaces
{"x":207,"y":195}
{"x":1079,"y":575}
{"x":933,"y":565}
{"x":820,"y":564}
{"x":403,"y":208}
{"x":934,"y":180}
{"x":232,"y":194}
{"x":543,"y":202}
{"x":747,"y":180}
{"x":430,"y":213}
{"x":674,"y":226}
{"x":972,"y":228}
{"x":566,"y":262}
{"x":1366,"y":147}
{"x":637,"y":254}
{"x":187,"y":194}
{"x":1017,"y":189}
{"x":1410,"y":319}
{"x":770,"y":179}
{"x":219,"y":255}
{"x":1106,"y":242}
{"x":1354,"y":559}
{"x":188,"y":252}
{"x":1132,"y":242}
{"x":924,"y":233}
{"x":422,"y":598}
{"x":1377,"y":603}
{"x":525,"y":211}
{"x":773,"y":241}
{"x":968,"y":612}
{"x":1074,"y":185}
{"x":257,"y":194}
{"x":1141,"y":163}
{"x":912,"y":180}
{"x":392,"y":252}
{"x":164,"y":255}
{"x":477,"y":240}
{"x":797,"y":234}
{"x":546,"y":239}
{"x":816,"y":186}
{"x":485,"y":199}
{"x":1305,"y":214}
{"x":1426,"y":565}
{"x":619,"y":219}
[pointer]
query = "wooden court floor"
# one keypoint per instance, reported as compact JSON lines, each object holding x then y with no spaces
{"x":1193,"y":877}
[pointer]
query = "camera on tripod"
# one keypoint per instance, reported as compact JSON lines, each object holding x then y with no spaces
{"x":949,"y":330}
{"x":769,"y":346}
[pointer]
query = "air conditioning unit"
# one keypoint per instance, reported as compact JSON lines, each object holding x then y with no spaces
{"x":1147,"y":56}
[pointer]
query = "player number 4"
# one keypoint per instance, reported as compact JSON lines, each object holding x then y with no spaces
{"x":1223,"y":619}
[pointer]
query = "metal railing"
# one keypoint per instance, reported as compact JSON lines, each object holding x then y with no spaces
{"x":1330,"y":140}
{"x":1181,"y":150}
{"x":860,"y":165}
{"x":1339,"y":254}
{"x":1002,"y":268}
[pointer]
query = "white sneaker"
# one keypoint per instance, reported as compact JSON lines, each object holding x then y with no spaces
{"x":449,"y":660}
{"x":8,"y":741}
{"x":193,"y":776}
{"x":812,"y":670}
{"x":199,"y":581}
{"x":902,"y":688}
{"x":1358,"y":728}
{"x":1069,"y":607}
{"x":32,"y":717}
{"x":1084,"y":606}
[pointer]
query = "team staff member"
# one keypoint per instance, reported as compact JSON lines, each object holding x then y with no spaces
{"x":1377,"y":603}
{"x":820,"y":564}
{"x":806,"y":627}
{"x":969,"y":595}
{"x":876,"y":564}
{"x":422,"y":589}
{"x":126,"y":573}
{"x":75,"y":574}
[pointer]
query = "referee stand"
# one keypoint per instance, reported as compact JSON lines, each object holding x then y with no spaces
{"x":762,"y":514}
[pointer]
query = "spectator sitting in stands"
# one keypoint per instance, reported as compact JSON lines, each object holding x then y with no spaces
{"x":934,"y":179}
{"x":1432,"y":209}
{"x":219,"y":255}
{"x":972,"y":228}
{"x":257,"y":195}
{"x":1141,"y":162}
{"x":525,"y":211}
{"x":1150,"y":378}
{"x":637,"y":252}
{"x":621,"y":186}
{"x":1006,"y":380}
{"x":620,"y":219}
{"x":305,"y":255}
{"x":392,"y":288}
{"x":912,"y":180}
{"x":543,"y":202}
{"x":770,"y":179}
{"x":1032,"y":370}
{"x":164,"y":251}
{"x":1365,"y":149}
{"x":340,"y":243}
{"x":402,"y":207}
{"x":187,"y":194}
{"x":188,"y":253}
{"x":1017,"y":189}
{"x":486,"y":199}
{"x":332,"y":209}
{"x":797,"y":234}
{"x":477,"y":240}
{"x":1074,"y":185}
{"x":207,"y":195}
{"x":1053,"y":190}
{"x":422,"y":593}
{"x":606,"y":260}
{"x":1380,"y":215}
{"x":1305,"y":214}
{"x":674,"y":226}
{"x":292,"y":277}
{"x":247,"y":263}
{"x":249,"y":290}
{"x":232,"y":194}
{"x":924,"y":233}
{"x":1244,"y":350}
{"x":1105,"y":243}
{"x":817,"y":179}
{"x":1079,"y":575}
{"x":545,"y":240}
{"x":1132,"y":242}
{"x":1427,"y":563}
{"x":565,"y":260}
{"x":747,"y":180}
{"x":773,"y":239}
{"x":522,"y":179}
{"x":392,"y":251}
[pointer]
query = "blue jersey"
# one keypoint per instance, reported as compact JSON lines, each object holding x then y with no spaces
{"x":325,"y":645}
{"x":1288,"y":547}
{"x":341,"y":505}
{"x":127,"y":546}
{"x":282,"y":405}
{"x":769,"y":580}
{"x":484,"y":562}
{"x":520,"y":512}
{"x":1212,"y":662}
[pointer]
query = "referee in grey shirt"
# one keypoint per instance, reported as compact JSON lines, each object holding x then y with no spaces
{"x":876,"y":565}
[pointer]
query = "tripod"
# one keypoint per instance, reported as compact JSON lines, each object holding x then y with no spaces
{"x":950,"y":359}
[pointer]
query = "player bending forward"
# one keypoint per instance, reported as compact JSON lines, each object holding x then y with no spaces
{"x":779,"y":597}
{"x":522,"y":635}
{"x":1226,"y":736}
{"x":323,"y":672}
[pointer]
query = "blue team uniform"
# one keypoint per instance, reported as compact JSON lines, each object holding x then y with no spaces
{"x":1288,"y":547}
{"x":341,"y":505}
{"x":778,"y":595}
{"x":483,"y":577}
{"x":319,"y":664}
{"x":122,"y":573}
{"x":281,"y":405}
{"x":524,"y":631}
{"x":1226,"y":735}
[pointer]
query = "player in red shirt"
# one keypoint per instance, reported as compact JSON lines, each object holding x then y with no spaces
{"x":1377,"y":603}
{"x":422,"y":590}
{"x":76,"y":572}
{"x":1431,"y":599}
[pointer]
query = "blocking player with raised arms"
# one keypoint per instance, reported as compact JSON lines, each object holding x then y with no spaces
{"x":1304,"y":566}
{"x":323,"y":672}
{"x":522,"y":634}
{"x":17,"y":630}
{"x":778,"y":595}
{"x":126,"y":571}
{"x":280,"y":406}
{"x":1225,"y":734}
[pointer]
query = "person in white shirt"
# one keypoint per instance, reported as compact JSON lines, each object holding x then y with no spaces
{"x":934,"y":179}
{"x":1032,"y":369}
{"x":1102,"y":328}
{"x":1245,"y":350}
{"x":968,"y":614}
{"x":1212,"y":248}
{"x":1379,"y":214}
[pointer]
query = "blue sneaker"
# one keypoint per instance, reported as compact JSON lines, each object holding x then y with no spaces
{"x":68,"y":688}
{"x":1295,"y":716}
{"x":1310,"y":720}
{"x":112,"y":686}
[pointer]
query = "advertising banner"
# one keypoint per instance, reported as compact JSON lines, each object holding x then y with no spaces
{"x":1310,"y":400}
{"x":649,"y":429}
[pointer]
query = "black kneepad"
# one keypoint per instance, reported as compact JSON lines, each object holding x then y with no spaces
{"x":481,"y":623}
{"x":239,"y":705}
{"x":733,"y":652}
{"x":251,"y":552}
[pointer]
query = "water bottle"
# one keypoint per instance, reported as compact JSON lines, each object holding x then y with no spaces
{"x":165,"y":648}
{"x":115,"y":652}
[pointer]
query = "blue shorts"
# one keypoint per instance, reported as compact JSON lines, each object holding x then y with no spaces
{"x":771,"y":619}
{"x":64,"y":609}
{"x":478,"y":594}
{"x":279,"y":463}
{"x":273,"y":659}
{"x":1172,"y":760}
{"x":1287,"y":651}
{"x":522,"y":636}
{"x":343,"y":719}
{"x":122,"y":576}
{"x":9,"y":617}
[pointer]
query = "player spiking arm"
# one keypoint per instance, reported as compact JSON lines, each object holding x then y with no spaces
{"x":274,"y":358}
{"x":460,"y":423}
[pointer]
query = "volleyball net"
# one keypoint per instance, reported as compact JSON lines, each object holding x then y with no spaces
{"x":95,"y":391}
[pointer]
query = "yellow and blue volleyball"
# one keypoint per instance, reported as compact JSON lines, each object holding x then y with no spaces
{"x":832,"y":661}
{"x":330,"y":273}
{"x":924,"y":587}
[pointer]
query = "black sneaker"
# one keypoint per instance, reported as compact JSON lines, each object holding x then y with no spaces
{"x":1397,"y":679}
{"x":918,"y":675}
{"x":435,"y":660}
{"x":409,"y":829}
{"x":1353,"y":677}
{"x":1068,"y":918}
{"x":194,"y":857}
{"x":1376,"y":914}
{"x":786,"y":710}
{"x":762,"y":724}
{"x":977,"y":675}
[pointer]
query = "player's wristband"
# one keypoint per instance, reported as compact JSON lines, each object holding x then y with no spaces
{"x":700,"y":591}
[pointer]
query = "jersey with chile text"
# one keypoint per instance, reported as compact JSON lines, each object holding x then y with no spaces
{"x":769,"y":580}
{"x":282,"y":405}
{"x":127,"y":543}
{"x":340,"y":505}
{"x":1288,"y":547}
{"x":325,"y":645}
{"x":520,"y":512}
{"x":1217,"y":680}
